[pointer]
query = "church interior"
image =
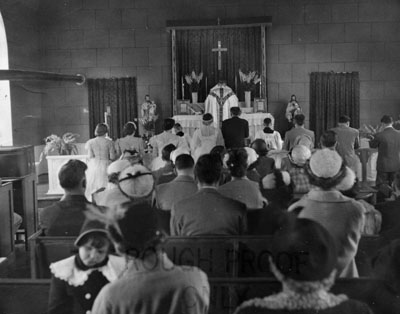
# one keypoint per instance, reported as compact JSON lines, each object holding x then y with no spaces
{"x":69,"y":65}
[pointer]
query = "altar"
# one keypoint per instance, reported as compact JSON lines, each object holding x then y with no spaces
{"x":190,"y":123}
{"x":55,"y":163}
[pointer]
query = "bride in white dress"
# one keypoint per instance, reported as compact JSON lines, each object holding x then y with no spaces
{"x":206,"y":137}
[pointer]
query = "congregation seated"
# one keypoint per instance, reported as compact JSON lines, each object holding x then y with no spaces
{"x":207,"y":212}
{"x":277,"y":189}
{"x":390,"y":213}
{"x":342,"y":216}
{"x":112,"y":196}
{"x":373,"y":218}
{"x":151,"y":283}
{"x":252,"y":158}
{"x":65,"y":217}
{"x":183,"y":186}
{"x":77,"y":280}
{"x":384,"y":295}
{"x":241,"y":188}
{"x":295,"y":165}
{"x":265,"y":164}
{"x":221,"y":151}
{"x":304,"y":261}
{"x":166,"y":173}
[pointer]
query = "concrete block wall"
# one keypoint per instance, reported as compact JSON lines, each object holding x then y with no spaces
{"x":116,"y":38}
{"x":22,"y":31}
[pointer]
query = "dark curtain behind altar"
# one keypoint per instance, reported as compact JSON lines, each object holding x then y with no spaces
{"x":194,"y":52}
{"x":119,"y":94}
{"x":332,"y":95}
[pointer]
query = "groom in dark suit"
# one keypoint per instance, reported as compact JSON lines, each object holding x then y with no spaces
{"x":388,"y":143}
{"x":235,"y":130}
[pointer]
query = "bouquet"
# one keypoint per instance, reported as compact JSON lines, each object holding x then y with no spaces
{"x":193,"y":80}
{"x":249,"y":80}
{"x":369,"y":131}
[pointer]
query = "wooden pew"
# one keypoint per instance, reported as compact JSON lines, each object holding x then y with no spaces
{"x":22,"y":296}
{"x":245,"y":256}
{"x":6,"y":220}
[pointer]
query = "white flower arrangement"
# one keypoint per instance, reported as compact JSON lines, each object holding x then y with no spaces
{"x":64,"y":145}
{"x":193,"y":80}
{"x":249,"y":80}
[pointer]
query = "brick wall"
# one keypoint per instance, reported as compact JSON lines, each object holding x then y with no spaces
{"x":106,"y":38}
{"x":22,"y":33}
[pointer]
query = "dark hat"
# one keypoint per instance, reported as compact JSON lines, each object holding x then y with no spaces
{"x":208,"y":118}
{"x":303,"y":250}
{"x":135,"y":228}
{"x":259,"y":146}
{"x":91,"y":226}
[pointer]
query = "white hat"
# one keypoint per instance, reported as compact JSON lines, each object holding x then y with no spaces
{"x":136,"y":181}
{"x":117,"y":166}
{"x":300,"y":154}
{"x":327,"y":170}
{"x":252,"y":156}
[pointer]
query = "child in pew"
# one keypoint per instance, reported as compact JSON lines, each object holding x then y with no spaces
{"x":304,"y":262}
{"x":152,"y":284}
{"x":78,"y":279}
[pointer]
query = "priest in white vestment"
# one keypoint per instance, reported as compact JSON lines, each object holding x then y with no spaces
{"x":219,"y":102}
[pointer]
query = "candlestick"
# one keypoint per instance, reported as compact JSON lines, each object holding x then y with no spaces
{"x":236,"y":84}
{"x":183,"y":88}
{"x":260,"y":87}
{"x":206,"y":86}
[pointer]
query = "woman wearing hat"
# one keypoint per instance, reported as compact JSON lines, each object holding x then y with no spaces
{"x":265,"y":164}
{"x":206,"y":137}
{"x":252,"y":163}
{"x":129,"y":142}
{"x":342,"y":216}
{"x":304,"y":261}
{"x":111,"y":196}
{"x":77,"y":280}
{"x":152,"y":284}
{"x":101,"y":153}
{"x":241,"y":188}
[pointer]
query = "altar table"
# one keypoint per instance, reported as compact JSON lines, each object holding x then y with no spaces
{"x":55,"y":163}
{"x":256,"y":122}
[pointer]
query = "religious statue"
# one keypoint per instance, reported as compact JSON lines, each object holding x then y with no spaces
{"x":148,"y":116}
{"x":219,"y":102}
{"x":292,"y":109}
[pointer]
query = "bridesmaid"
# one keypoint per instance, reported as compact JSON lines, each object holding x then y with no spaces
{"x":101,"y":153}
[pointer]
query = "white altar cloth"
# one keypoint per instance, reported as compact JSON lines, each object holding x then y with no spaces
{"x":256,"y":122}
{"x":55,"y":163}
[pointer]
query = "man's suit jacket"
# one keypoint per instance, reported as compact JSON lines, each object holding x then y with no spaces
{"x":64,"y":218}
{"x":208,"y":213}
{"x":172,"y":192}
{"x":388,"y":144}
{"x":234,"y":131}
{"x":291,"y":136}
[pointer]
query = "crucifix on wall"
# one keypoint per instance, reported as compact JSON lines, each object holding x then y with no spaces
{"x":219,"y":49}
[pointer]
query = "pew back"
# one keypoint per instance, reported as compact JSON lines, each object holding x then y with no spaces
{"x":226,"y":293}
{"x":244,"y":256}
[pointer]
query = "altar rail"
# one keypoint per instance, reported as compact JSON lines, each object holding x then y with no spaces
{"x":23,"y":296}
{"x":231,"y":257}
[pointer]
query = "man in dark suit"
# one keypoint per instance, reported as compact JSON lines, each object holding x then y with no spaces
{"x":66,"y":217}
{"x":181,"y":187}
{"x":208,"y":212}
{"x":388,"y":144}
{"x":235,"y":130}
